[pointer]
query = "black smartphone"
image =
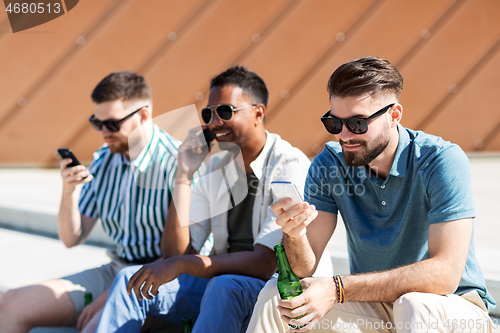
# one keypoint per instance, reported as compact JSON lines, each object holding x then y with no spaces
{"x":67,"y":153}
{"x":209,"y":135}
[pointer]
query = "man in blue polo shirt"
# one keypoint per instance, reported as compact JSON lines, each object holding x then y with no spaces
{"x":406,"y":202}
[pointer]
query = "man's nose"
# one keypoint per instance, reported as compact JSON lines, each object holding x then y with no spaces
{"x":345,"y":134}
{"x":216,"y":121}
{"x":105,"y":131}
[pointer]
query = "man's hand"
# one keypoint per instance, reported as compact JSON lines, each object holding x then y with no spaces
{"x":90,"y":311}
{"x":319,"y":297}
{"x":73,"y":176}
{"x":150,"y":277}
{"x":192,"y":152}
{"x":295,"y":220}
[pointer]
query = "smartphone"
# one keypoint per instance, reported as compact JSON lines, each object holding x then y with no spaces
{"x":67,"y":153}
{"x":209,"y":135}
{"x":281,"y":190}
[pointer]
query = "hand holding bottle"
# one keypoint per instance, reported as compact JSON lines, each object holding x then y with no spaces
{"x":318,"y":297}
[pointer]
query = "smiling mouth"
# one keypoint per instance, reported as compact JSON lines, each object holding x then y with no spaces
{"x":222,"y":134}
{"x":351,"y":146}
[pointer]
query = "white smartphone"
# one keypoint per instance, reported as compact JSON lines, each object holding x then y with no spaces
{"x":286,"y":190}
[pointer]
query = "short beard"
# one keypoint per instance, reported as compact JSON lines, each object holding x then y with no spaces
{"x":118,"y":148}
{"x":356,"y":159}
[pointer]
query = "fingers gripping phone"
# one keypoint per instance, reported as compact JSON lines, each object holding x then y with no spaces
{"x":209,"y":135}
{"x":67,"y":153}
{"x":286,"y":190}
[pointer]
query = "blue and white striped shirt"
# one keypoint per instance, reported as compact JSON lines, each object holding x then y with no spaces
{"x":132,"y":198}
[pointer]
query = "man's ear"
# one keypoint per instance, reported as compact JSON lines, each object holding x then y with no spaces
{"x":145,"y":114}
{"x":260,"y":113}
{"x":396,"y":114}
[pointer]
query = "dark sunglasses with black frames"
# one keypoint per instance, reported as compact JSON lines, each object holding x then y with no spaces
{"x":112,"y":125}
{"x":224,"y":111}
{"x":355,"y":125}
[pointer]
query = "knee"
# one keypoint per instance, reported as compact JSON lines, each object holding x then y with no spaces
{"x":224,"y":283}
{"x":124,"y":275}
{"x":11,"y":307}
{"x":10,"y":300}
{"x":410,"y":306}
{"x":7,"y":299}
{"x":269,"y":291}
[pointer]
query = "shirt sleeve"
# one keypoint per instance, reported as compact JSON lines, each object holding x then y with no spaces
{"x":318,"y":183}
{"x":449,"y":186}
{"x":88,"y":197}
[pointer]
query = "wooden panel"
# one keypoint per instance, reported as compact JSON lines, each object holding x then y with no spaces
{"x":27,"y":56}
{"x":387,"y":33}
{"x":473,"y":113}
{"x":292,"y":49}
{"x":132,"y":44}
{"x":494,"y":145}
{"x":448,"y":57}
{"x":209,"y":46}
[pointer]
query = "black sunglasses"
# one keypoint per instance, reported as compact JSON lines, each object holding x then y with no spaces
{"x":112,"y":125}
{"x":224,"y":111}
{"x":355,"y":125}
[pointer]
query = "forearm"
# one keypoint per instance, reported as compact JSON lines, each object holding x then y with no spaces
{"x":176,"y":239}
{"x":258,"y":264}
{"x":300,"y":255}
{"x":69,"y":219}
{"x":427,"y":276}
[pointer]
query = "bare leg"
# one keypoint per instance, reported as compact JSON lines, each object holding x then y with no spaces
{"x":45,"y":304}
{"x":92,"y":325}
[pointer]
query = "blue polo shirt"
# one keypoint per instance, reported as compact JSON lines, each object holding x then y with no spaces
{"x":387,"y":221}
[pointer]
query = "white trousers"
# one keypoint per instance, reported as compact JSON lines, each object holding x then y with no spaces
{"x":412,"y":312}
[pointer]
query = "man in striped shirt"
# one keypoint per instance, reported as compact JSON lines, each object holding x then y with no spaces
{"x":128,"y":187}
{"x":218,"y":291}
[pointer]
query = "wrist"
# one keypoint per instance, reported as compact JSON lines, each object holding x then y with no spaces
{"x":339,"y":289}
{"x":178,"y":264}
{"x":183,"y":176}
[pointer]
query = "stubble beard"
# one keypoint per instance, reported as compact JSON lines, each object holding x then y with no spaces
{"x":118,"y":147}
{"x":365,"y":156}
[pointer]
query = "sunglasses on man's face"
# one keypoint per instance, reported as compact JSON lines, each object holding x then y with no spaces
{"x":224,"y":111}
{"x":355,"y":125}
{"x":112,"y":125}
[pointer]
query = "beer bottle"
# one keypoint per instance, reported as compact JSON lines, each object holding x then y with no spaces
{"x":87,"y":298}
{"x":186,"y":325}
{"x":288,"y":282}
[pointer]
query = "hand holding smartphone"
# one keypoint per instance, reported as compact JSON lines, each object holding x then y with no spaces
{"x":67,"y":153}
{"x":282,"y":189}
{"x":209,"y":135}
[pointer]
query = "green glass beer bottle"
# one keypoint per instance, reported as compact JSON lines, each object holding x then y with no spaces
{"x":288,"y":282}
{"x":186,"y":325}
{"x":87,"y":298}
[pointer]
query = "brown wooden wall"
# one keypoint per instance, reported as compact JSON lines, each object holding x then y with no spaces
{"x":448,"y":52}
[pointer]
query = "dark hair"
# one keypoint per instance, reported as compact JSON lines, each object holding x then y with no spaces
{"x":124,"y":85}
{"x":369,"y":75}
{"x":249,"y":82}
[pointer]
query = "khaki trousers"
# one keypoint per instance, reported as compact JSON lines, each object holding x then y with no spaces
{"x":412,"y":312}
